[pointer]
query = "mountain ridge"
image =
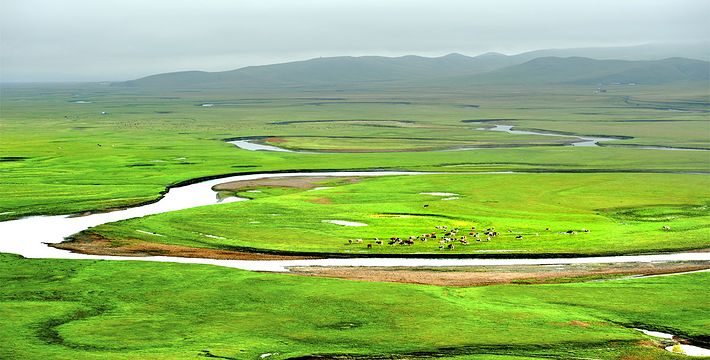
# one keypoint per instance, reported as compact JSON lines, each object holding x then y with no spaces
{"x":489,"y":68}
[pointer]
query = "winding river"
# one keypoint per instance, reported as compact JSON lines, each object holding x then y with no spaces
{"x":28,"y":237}
{"x":584,"y":141}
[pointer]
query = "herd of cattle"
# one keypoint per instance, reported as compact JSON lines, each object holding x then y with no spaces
{"x":449,"y":238}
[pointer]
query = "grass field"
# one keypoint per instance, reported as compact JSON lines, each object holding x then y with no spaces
{"x":52,"y":162}
{"x":60,"y":154}
{"x":123,"y":309}
{"x":625,"y":213}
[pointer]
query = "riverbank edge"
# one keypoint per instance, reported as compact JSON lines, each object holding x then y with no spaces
{"x":85,"y":237}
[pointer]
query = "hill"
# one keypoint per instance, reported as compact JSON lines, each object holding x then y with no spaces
{"x":536,"y":67}
{"x":585,"y":71}
{"x":647,"y":52}
{"x":328,"y":71}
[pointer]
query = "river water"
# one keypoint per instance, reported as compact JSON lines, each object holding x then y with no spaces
{"x":28,"y":237}
{"x":585,"y":141}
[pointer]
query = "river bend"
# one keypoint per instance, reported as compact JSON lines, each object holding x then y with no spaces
{"x":28,"y":236}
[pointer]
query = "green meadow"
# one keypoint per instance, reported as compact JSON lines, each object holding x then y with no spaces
{"x":60,"y":156}
{"x":76,"y":148}
{"x":624,"y":213}
{"x":87,"y":309}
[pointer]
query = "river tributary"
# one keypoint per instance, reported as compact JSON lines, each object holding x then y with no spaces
{"x":584,"y":141}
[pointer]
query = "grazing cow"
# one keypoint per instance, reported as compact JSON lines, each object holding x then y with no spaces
{"x":441,"y":247}
{"x":666,"y":227}
{"x":488,"y":239}
{"x":369,"y":246}
{"x":451,"y":246}
{"x":587,"y":230}
{"x":473,"y":228}
{"x":548,"y":229}
{"x":519,"y":237}
{"x":510,"y":231}
{"x":442,"y":241}
{"x":379,"y":242}
{"x":358,"y":240}
{"x":426,"y":205}
{"x":350,"y":241}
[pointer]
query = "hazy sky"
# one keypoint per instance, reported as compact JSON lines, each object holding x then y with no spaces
{"x":88,"y":40}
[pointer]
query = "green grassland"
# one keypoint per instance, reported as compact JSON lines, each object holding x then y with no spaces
{"x":152,"y":139}
{"x":84,"y":309}
{"x":59,"y":156}
{"x":625,"y":213}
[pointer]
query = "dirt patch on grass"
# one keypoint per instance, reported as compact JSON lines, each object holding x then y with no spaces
{"x":98,"y":245}
{"x":497,"y":275}
{"x":574,"y":323}
{"x":276,"y":140}
{"x":322,"y":201}
{"x":294,"y":182}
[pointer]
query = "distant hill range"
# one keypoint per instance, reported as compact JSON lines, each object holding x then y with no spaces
{"x":585,"y":66}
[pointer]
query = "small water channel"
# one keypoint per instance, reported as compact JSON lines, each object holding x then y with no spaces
{"x":249,"y":145}
{"x":684,"y":349}
{"x":584,"y":141}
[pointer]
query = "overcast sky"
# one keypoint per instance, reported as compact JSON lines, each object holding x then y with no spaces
{"x":92,"y":40}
